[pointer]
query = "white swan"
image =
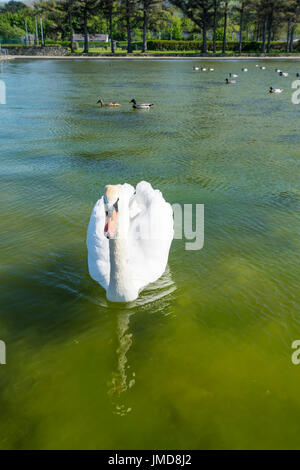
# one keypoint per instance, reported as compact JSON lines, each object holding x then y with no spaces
{"x":129,"y":237}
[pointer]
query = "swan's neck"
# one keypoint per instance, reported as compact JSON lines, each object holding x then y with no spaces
{"x":120,"y":287}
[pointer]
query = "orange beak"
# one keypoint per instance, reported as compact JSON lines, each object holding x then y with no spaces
{"x":110,"y":225}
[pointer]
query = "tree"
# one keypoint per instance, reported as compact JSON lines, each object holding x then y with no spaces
{"x":291,"y":12}
{"x":13,"y":7}
{"x":200,"y":12}
{"x":9,"y":32}
{"x":87,"y":9}
{"x":128,"y":12}
{"x":240,"y":7}
{"x":225,"y":4}
{"x":216,"y":6}
{"x":147,"y":6}
{"x":108,"y":8}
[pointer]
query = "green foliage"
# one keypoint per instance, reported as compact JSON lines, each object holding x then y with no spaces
{"x":13,"y":6}
{"x":247,"y":46}
{"x":9,"y":31}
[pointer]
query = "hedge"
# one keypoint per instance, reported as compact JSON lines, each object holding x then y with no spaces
{"x":247,"y":46}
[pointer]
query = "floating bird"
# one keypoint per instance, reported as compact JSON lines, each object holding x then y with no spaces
{"x":128,"y":239}
{"x":277,"y":70}
{"x":140,"y":106}
{"x":257,"y":65}
{"x":297,"y":74}
{"x":106,"y":105}
{"x":233,"y":75}
{"x":230,"y":82}
{"x":203,"y":69}
{"x":195,"y":68}
{"x":275,"y":90}
{"x":262,"y":68}
{"x":211,"y":69}
{"x":244,"y":70}
{"x":283,"y":74}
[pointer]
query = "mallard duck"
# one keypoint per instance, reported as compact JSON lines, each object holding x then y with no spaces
{"x":230,"y":82}
{"x":211,"y":69}
{"x":233,"y":75}
{"x":262,"y":68}
{"x":203,"y":69}
{"x":244,"y":69}
{"x":140,"y":106}
{"x":277,"y":70}
{"x":283,"y":74}
{"x":195,"y":68}
{"x":107,"y":105}
{"x":297,"y":74}
{"x":275,"y":90}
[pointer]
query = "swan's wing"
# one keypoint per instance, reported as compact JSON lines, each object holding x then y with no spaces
{"x":150,"y":234}
{"x":98,"y":246}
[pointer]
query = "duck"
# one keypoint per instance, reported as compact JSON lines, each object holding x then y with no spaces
{"x":297,"y":74}
{"x":111,"y":104}
{"x":211,"y":69}
{"x":140,"y":106}
{"x":129,"y":237}
{"x":283,"y":74}
{"x":277,"y":70}
{"x":203,"y":69}
{"x":195,"y":68}
{"x":275,"y":90}
{"x":262,"y":68}
{"x":233,"y":75}
{"x":230,"y":82}
{"x":244,"y":69}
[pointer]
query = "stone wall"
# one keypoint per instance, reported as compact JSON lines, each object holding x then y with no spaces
{"x":35,"y":50}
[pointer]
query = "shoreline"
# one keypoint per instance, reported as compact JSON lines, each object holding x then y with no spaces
{"x":148,"y":57}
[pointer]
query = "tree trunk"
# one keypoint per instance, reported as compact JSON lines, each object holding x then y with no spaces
{"x":288,"y":37}
{"x":129,"y":46}
{"x":241,"y":27}
{"x":71,"y":32}
{"x":86,"y":34}
{"x":204,"y":41}
{"x":292,"y":39}
{"x":112,"y":45}
{"x":145,"y":29}
{"x":215,"y":28}
{"x":225,"y":29}
{"x":270,"y":32}
{"x":263,"y":46}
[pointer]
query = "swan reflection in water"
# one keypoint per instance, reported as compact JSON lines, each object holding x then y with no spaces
{"x":158,"y":297}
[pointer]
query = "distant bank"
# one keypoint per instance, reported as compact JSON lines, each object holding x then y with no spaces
{"x":152,"y":57}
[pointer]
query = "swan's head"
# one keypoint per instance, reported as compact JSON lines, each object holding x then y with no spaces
{"x":111,"y":201}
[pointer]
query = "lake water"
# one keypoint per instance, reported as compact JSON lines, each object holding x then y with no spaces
{"x":203,"y":358}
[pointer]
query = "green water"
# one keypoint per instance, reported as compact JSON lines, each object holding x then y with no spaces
{"x":203,"y":359}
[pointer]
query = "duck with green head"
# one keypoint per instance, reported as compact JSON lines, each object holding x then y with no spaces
{"x":140,"y":106}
